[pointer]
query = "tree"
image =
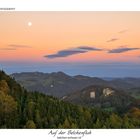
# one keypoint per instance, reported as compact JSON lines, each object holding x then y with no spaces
{"x":115,"y":121}
{"x":60,"y":126}
{"x":126,"y":122}
{"x":66,"y":124}
{"x":98,"y":124}
{"x":87,"y":115}
{"x":30,"y":109}
{"x":4,"y":87}
{"x":73,"y":126}
{"x":30,"y":124}
{"x":37,"y":118}
{"x":134,"y":113}
{"x":8,"y":108}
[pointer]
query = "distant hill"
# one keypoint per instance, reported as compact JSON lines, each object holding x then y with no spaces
{"x":56,"y":84}
{"x":59,"y":84}
{"x":134,"y":92}
{"x":101,"y":96}
{"x":125,"y":83}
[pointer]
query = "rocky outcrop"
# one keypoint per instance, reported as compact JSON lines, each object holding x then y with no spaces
{"x":92,"y":94}
{"x":107,"y":91}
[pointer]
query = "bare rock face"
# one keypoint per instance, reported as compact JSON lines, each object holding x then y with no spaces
{"x":92,"y":94}
{"x":108,"y":91}
{"x":64,"y":97}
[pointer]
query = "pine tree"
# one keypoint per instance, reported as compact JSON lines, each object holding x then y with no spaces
{"x":66,"y":124}
{"x":38,"y":118}
{"x":30,"y":124}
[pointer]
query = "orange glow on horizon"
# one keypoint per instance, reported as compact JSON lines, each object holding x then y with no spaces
{"x":55,"y":31}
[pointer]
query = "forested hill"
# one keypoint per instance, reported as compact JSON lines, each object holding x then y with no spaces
{"x":60,"y":84}
{"x":22,"y":109}
{"x":57,"y":84}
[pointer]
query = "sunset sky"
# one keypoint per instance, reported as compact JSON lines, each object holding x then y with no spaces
{"x":104,"y":44}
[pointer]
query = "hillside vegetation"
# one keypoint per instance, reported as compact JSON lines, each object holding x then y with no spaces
{"x":22,"y":109}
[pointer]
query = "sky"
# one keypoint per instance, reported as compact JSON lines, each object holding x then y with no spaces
{"x":101,"y":44}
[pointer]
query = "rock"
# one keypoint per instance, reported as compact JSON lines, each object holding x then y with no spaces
{"x":107,"y":91}
{"x":92,"y":94}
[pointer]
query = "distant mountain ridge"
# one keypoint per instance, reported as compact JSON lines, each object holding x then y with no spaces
{"x":60,"y":84}
{"x":57,"y":83}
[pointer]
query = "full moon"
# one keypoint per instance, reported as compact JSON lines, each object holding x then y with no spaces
{"x":29,"y":23}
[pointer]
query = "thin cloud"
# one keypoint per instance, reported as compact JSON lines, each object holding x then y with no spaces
{"x":122,"y":49}
{"x":18,"y":46}
{"x":123,"y":31}
{"x":112,"y":40}
{"x":65,"y":53}
{"x":73,"y":51}
{"x":89,"y":48}
{"x":8,"y":49}
{"x":12,"y":47}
